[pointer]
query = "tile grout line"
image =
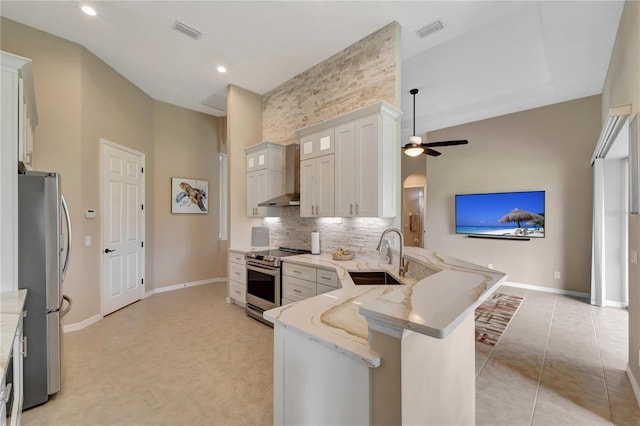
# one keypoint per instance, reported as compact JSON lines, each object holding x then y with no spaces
{"x":546,"y":348}
{"x":604,"y":377}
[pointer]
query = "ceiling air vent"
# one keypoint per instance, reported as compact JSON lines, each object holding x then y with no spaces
{"x":186,"y":30}
{"x":429,"y":29}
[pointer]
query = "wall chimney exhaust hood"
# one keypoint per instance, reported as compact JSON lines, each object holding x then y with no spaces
{"x":291,"y":197}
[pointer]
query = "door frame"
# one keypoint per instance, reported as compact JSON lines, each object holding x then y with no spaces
{"x":616,"y":121}
{"x":142,"y":212}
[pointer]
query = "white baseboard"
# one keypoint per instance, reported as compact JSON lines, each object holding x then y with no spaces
{"x":634,"y":384}
{"x":82,"y":324}
{"x":615,"y":304}
{"x":549,"y":290}
{"x":184,"y":285}
{"x":92,"y":320}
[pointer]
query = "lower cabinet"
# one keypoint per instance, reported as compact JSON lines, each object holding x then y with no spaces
{"x":301,"y":282}
{"x":13,"y":390}
{"x":237,"y":279}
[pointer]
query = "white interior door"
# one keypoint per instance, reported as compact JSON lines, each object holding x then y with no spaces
{"x":122,"y":226}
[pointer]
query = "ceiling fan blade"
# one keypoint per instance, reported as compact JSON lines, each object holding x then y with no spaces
{"x":447,"y":143}
{"x":432,"y":152}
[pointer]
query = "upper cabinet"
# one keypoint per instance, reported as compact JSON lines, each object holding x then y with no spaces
{"x":18,"y":119}
{"x":317,"y":197}
{"x":364,"y":151}
{"x":19,"y":116}
{"x":265,"y":171}
{"x":317,"y":144}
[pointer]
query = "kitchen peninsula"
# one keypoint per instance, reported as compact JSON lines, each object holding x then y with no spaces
{"x":381,"y":354}
{"x":11,"y":345}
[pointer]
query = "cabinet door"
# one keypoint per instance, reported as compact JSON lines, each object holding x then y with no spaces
{"x":257,"y":160}
{"x":325,"y":185}
{"x":257,"y":192}
{"x":366,"y":152}
{"x":252,"y":193}
{"x":307,"y":188}
{"x":317,"y":144}
{"x":345,"y":170}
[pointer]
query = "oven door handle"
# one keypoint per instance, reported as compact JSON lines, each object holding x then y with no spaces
{"x":272,"y":272}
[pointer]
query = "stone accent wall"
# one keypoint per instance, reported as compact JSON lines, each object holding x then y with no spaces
{"x":360,"y":235}
{"x":366,"y":72}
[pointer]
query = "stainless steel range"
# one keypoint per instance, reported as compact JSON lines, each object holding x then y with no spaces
{"x":263,"y":280}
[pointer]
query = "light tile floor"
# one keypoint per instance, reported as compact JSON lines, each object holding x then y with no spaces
{"x":186,"y":357}
{"x":560,"y":361}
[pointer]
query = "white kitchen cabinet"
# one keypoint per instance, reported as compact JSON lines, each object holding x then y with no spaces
{"x":317,"y":178}
{"x":364,"y":166}
{"x":317,"y":144}
{"x":18,"y":119}
{"x":12,"y":348}
{"x":265,"y":172}
{"x":237,"y":278}
{"x":366,"y":163}
{"x":301,"y":282}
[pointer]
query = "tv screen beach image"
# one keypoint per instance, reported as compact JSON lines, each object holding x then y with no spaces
{"x":514,"y":214}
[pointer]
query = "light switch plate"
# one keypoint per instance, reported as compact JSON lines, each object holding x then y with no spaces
{"x":634,"y":256}
{"x":87,"y":240}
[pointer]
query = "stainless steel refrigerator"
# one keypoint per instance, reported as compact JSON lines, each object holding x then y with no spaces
{"x":44,"y":246}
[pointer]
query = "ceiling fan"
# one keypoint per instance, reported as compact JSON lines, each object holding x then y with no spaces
{"x":415,"y":146}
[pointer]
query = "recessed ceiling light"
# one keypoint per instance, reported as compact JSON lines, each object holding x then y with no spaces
{"x":221,"y":69}
{"x":89,"y":10}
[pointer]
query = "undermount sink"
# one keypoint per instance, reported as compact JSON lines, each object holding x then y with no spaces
{"x":373,"y":278}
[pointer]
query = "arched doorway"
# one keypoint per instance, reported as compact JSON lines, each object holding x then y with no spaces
{"x":414,"y":191}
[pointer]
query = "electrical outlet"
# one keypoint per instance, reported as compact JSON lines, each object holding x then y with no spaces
{"x":87,"y":240}
{"x":490,"y":266}
{"x":556,"y":275}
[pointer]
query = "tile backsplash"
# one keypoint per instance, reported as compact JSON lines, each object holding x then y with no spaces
{"x":360,"y":235}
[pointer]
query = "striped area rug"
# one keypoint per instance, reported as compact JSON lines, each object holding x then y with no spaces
{"x":493,"y":316}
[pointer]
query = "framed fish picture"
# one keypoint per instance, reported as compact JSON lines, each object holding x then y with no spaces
{"x":189,"y":196}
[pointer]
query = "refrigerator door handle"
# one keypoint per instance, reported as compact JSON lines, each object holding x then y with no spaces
{"x":68,"y":308}
{"x":68,"y":220}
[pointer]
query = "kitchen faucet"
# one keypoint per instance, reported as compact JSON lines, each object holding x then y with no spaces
{"x":402,"y":265}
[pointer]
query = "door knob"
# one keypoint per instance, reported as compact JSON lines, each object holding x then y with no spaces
{"x":108,"y":251}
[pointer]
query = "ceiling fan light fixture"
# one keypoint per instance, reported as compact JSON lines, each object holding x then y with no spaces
{"x":413,"y":149}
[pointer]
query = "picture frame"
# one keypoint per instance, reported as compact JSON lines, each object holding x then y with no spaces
{"x":190,"y":196}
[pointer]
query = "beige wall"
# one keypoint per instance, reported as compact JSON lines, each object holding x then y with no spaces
{"x":114,"y":109}
{"x":57,"y":72}
{"x":548,"y":149}
{"x":244,"y":128}
{"x":622,"y":87}
{"x":186,"y":246}
{"x":80,"y":99}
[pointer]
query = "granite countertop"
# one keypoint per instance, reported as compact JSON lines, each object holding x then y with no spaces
{"x":11,"y":306}
{"x":438,"y":294}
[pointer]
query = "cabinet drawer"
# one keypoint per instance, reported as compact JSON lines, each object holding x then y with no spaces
{"x":237,"y":291}
{"x":304,"y":272}
{"x":236,"y":258}
{"x":329,"y":278}
{"x":237,"y":272}
{"x":297,"y":289}
{"x":321,"y":288}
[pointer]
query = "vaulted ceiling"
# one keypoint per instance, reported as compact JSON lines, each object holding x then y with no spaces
{"x":490,"y":58}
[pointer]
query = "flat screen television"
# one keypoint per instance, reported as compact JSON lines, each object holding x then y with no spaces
{"x":501,"y":214}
